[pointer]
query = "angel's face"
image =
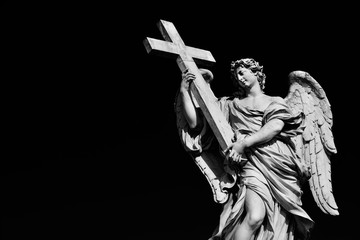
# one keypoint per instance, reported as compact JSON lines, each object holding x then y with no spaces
{"x":246,"y":77}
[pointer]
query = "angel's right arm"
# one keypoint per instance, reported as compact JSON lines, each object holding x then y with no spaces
{"x":190,"y":112}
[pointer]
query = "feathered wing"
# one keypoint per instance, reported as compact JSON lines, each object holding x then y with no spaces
{"x":316,"y":144}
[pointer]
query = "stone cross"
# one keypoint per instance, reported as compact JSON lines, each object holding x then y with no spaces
{"x":187,"y":58}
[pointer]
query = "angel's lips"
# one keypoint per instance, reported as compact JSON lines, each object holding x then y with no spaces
{"x":242,"y":80}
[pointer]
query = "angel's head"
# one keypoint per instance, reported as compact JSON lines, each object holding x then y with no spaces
{"x":253,"y":66}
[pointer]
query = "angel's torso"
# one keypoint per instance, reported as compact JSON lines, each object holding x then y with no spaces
{"x":246,"y":115}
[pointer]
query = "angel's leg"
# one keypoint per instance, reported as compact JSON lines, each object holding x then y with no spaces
{"x":255,"y":214}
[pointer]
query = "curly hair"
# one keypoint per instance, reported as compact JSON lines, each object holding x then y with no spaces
{"x":250,"y":64}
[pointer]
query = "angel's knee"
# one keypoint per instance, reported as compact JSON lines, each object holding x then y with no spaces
{"x":255,"y":210}
{"x":254,"y":219}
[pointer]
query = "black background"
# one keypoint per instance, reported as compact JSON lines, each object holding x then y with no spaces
{"x":91,"y":147}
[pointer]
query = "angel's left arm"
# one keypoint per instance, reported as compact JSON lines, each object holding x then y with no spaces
{"x":268,"y":131}
{"x":265,"y":134}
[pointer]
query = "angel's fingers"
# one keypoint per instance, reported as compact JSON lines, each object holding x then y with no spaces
{"x":235,"y":156}
{"x":234,"y":138}
{"x":238,"y":158}
{"x":229,"y":148}
{"x":190,"y":75}
{"x":232,"y":154}
{"x":185,"y":72}
{"x":228,"y":154}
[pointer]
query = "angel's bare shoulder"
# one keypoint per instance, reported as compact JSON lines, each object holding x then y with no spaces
{"x":276,"y":99}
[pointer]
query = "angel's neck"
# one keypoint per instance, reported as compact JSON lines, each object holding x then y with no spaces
{"x":254,"y":93}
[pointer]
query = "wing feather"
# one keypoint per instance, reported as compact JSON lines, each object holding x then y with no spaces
{"x":316,"y":143}
{"x":314,"y":180}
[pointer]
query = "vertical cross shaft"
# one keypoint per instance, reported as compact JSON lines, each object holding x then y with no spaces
{"x":188,"y":58}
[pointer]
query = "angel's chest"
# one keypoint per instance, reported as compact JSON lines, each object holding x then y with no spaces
{"x":245,"y":118}
{"x":254,"y":104}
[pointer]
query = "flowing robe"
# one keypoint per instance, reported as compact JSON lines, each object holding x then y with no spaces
{"x":273,"y":170}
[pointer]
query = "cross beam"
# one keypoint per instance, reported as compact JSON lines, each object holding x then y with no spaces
{"x":187,"y":58}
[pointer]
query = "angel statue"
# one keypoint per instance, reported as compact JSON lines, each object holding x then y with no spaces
{"x":279,"y":145}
